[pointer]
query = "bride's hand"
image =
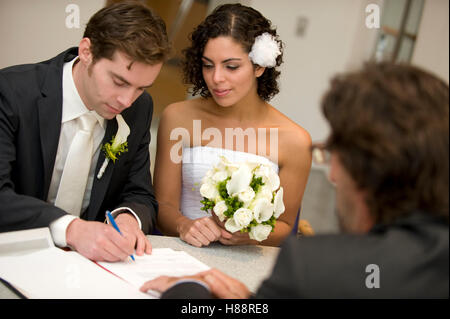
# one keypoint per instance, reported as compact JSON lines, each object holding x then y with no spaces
{"x":236,"y":238}
{"x":200,"y":232}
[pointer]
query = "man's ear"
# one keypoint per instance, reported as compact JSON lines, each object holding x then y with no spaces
{"x":259,"y":71}
{"x":84,"y":51}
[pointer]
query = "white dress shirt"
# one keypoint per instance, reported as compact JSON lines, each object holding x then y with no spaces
{"x":72,"y":108}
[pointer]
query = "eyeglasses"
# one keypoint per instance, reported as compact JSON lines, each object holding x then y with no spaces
{"x":320,"y":154}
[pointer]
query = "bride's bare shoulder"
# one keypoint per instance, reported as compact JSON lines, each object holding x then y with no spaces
{"x":182,"y":112}
{"x":293,"y":138}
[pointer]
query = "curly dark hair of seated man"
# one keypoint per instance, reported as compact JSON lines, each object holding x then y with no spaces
{"x":390,"y":129}
{"x":241,"y":23}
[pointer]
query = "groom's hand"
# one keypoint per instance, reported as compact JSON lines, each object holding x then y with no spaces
{"x":101,"y":242}
{"x":129,"y":227}
{"x":98,"y":241}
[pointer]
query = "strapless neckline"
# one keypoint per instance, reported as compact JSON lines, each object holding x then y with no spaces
{"x":235,"y":154}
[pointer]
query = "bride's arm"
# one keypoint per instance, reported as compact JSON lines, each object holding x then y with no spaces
{"x":168,"y":183}
{"x":167,"y":177}
{"x":295,"y":166}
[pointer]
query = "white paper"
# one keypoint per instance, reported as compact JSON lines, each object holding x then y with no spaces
{"x":162,"y":262}
{"x":44,"y":271}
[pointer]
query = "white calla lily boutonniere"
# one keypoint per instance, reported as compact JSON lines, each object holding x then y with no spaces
{"x":117,"y":146}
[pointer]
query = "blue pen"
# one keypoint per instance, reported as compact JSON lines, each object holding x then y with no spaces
{"x":113,"y":223}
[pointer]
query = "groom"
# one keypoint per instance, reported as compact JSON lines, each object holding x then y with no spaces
{"x":42,"y":107}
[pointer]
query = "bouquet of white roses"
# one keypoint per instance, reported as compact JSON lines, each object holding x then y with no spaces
{"x":247,"y":196}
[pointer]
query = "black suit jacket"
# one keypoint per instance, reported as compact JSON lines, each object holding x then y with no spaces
{"x":30,"y":124}
{"x":412,"y":256}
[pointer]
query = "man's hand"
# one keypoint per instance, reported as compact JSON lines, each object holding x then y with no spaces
{"x":101,"y":242}
{"x":129,"y":227}
{"x":221,"y":285}
{"x":224,"y":286}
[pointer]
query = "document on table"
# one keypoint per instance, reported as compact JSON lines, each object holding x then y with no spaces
{"x":161,"y":262}
{"x":31,"y":263}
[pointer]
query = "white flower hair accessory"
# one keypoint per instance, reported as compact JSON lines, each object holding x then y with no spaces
{"x":265,"y":51}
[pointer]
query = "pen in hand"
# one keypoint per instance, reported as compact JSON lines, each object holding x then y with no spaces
{"x":113,"y":223}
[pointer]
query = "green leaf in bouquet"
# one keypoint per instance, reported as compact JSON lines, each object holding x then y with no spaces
{"x":270,"y":222}
{"x":207,"y":204}
{"x":222,"y":188}
{"x":233,"y":204}
{"x":249,"y":227}
{"x":256,"y":183}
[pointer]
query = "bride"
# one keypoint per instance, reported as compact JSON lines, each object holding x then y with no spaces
{"x":232,"y":64}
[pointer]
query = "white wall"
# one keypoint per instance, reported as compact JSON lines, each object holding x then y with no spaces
{"x":336,"y":40}
{"x":432,"y":46}
{"x":33,"y":31}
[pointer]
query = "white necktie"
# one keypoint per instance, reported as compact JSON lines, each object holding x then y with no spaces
{"x":76,"y":169}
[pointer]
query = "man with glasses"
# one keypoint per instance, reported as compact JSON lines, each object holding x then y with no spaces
{"x":388,"y":153}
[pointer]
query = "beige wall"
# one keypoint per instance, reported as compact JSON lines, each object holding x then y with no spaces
{"x":431,"y":51}
{"x":336,"y":40}
{"x":33,"y":31}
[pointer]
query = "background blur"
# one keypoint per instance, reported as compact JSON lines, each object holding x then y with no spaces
{"x":321,"y":37}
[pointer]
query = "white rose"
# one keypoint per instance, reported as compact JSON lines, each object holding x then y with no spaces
{"x":278,"y":203}
{"x":247,"y":196}
{"x":209,"y":191}
{"x":273,"y":180}
{"x":219,"y":176}
{"x":219,"y":209}
{"x":221,"y":166}
{"x":210,"y":173}
{"x":232,"y":226}
{"x":240,"y":180}
{"x":242,"y":217}
{"x":264,"y":191}
{"x":227,"y":165}
{"x":269,"y":176}
{"x":262,"y":210}
{"x":260,"y":232}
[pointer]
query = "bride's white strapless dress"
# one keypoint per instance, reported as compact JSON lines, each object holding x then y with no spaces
{"x":196,"y":161}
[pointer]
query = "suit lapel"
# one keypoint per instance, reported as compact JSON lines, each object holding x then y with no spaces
{"x":50,"y":113}
{"x":49,"y":130}
{"x":100,"y":186}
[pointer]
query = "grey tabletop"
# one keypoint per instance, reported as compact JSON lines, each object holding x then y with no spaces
{"x":250,"y":264}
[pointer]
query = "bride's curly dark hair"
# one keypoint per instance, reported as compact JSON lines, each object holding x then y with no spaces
{"x":243,"y":24}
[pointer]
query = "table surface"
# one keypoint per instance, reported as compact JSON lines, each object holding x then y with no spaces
{"x":250,"y":264}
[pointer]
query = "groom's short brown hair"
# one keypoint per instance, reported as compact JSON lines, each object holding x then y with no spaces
{"x":131,"y":28}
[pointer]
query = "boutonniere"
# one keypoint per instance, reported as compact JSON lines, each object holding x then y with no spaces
{"x":117,"y":146}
